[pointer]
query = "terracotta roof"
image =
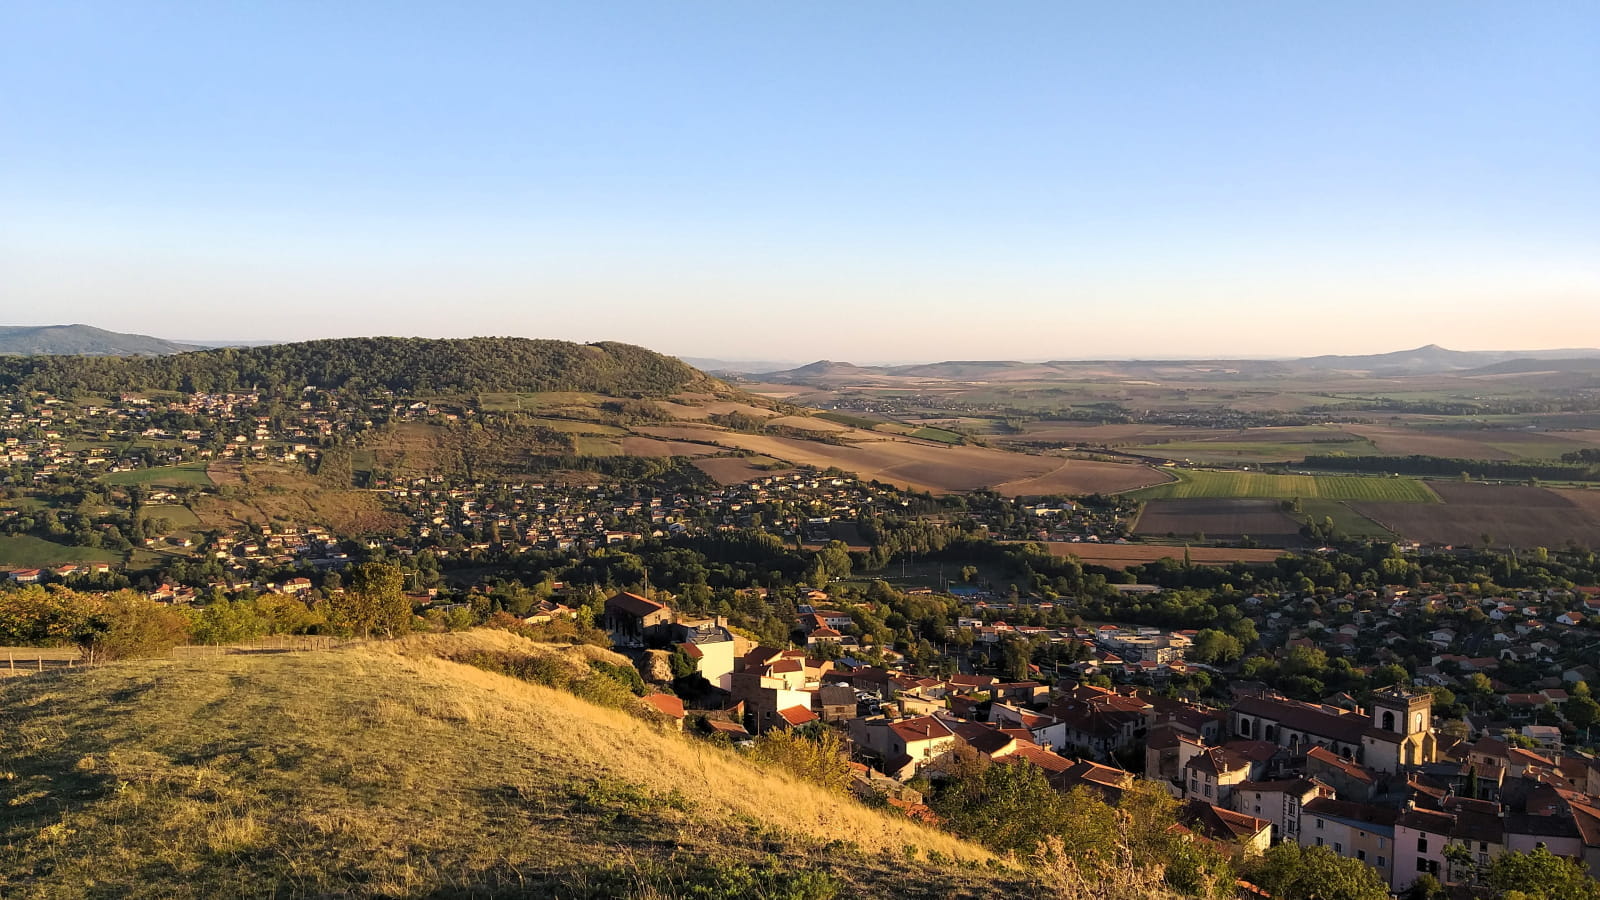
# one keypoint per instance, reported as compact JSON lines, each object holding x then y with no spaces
{"x":922,"y":728}
{"x":666,"y":704}
{"x":1348,"y":766}
{"x":1051,"y":763}
{"x":1221,"y":824}
{"x":797,"y":715}
{"x":634,"y":605}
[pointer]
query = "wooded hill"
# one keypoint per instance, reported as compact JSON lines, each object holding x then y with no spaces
{"x":407,"y":366}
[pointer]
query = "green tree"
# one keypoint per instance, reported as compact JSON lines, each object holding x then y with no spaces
{"x":374,"y":601}
{"x":1541,"y":875}
{"x":1292,"y":872}
{"x":1218,"y":647}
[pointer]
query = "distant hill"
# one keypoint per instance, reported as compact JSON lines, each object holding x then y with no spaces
{"x":1434,"y":359}
{"x":387,"y":771}
{"x":1428,"y":360}
{"x":403,"y":365}
{"x":736,"y":366}
{"x":82,"y":340}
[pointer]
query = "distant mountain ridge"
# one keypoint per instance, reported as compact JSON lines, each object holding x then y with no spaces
{"x":1428,"y":360}
{"x":83,"y":340}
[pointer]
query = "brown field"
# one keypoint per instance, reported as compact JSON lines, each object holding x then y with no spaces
{"x":938,"y":468}
{"x":1509,"y":515}
{"x":1114,"y":435}
{"x":702,"y":433}
{"x":1263,"y":520}
{"x":633,"y":445}
{"x":699,"y":409}
{"x":1473,"y":443}
{"x":808,"y":423}
{"x":733,"y":469}
{"x":1085,"y":476}
{"x":1121,"y":556}
{"x":269,"y":492}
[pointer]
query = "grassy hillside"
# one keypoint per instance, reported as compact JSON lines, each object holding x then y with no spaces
{"x":388,"y":771}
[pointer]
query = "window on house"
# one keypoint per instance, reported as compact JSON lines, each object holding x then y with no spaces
{"x":1319,"y":824}
{"x":1208,"y":790}
{"x":1382,"y":862}
{"x":1422,"y":845}
{"x":1338,"y":848}
{"x":1361,"y":855}
{"x":1319,"y":842}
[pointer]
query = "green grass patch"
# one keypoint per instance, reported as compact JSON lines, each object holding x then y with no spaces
{"x":24,"y":551}
{"x":1205,"y":484}
{"x":1345,"y":519}
{"x":593,"y":445}
{"x":181,"y":517}
{"x":929,"y":433}
{"x":190,"y":473}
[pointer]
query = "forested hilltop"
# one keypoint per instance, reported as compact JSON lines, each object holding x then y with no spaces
{"x":402,"y":365}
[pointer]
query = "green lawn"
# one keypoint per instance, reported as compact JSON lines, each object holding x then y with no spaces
{"x":28,"y":552}
{"x":1204,"y":484}
{"x":191,"y":473}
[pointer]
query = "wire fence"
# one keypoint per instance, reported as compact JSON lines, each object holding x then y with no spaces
{"x":32,"y":660}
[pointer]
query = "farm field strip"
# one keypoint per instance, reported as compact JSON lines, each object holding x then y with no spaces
{"x":1207,"y":484}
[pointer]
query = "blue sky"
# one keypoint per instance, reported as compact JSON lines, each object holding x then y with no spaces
{"x":864,"y":181}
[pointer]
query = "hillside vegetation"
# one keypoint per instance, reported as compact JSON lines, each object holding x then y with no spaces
{"x":384,"y":770}
{"x":404,"y":365}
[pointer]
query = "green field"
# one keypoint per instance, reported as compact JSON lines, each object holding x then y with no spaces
{"x":1204,"y":484}
{"x":839,"y":418}
{"x":937,"y":434}
{"x":590,"y":445}
{"x":1346,"y":519}
{"x":181,"y":517}
{"x":28,"y":552}
{"x":192,"y":473}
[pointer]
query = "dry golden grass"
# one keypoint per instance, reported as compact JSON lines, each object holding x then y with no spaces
{"x":382,"y":770}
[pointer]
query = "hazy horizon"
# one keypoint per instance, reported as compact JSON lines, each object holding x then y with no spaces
{"x":1039,"y":181}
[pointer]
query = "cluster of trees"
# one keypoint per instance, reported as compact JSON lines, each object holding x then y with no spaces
{"x":126,"y":623}
{"x":360,"y":365}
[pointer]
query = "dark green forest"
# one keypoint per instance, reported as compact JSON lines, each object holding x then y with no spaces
{"x":362,"y":365}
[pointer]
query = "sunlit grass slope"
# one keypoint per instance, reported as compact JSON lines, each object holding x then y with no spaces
{"x":387,"y":771}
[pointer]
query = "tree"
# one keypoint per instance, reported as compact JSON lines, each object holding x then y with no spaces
{"x":1541,"y":875}
{"x":374,"y":602}
{"x":1292,"y":872}
{"x":1218,"y":647}
{"x":128,"y":625}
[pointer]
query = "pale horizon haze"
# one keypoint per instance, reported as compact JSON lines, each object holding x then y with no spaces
{"x":862,"y":182}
